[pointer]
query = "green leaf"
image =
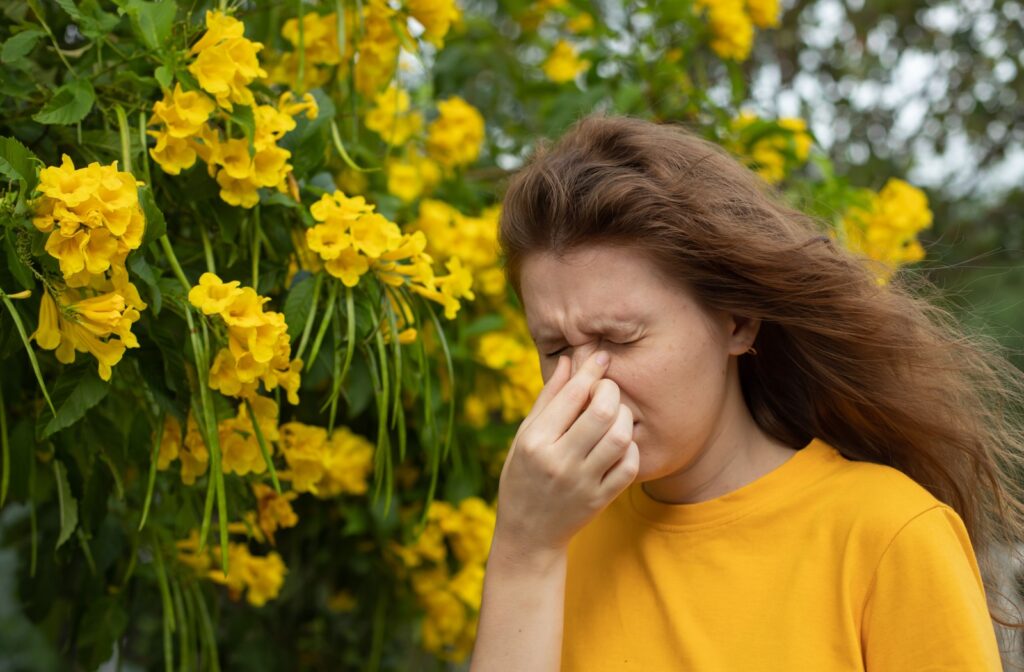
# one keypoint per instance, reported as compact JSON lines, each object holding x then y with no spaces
{"x":156,"y":225}
{"x":22,"y":274}
{"x":297,"y":305}
{"x":74,"y":394}
{"x":92,"y":21}
{"x":16,"y":162}
{"x":67,"y":502}
{"x":18,"y":46}
{"x":69,"y":105}
{"x":140,"y":267}
{"x":242,"y":115}
{"x":152,"y":21}
{"x":164,"y":75}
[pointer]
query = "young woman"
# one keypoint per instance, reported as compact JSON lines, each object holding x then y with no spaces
{"x":747,"y":455}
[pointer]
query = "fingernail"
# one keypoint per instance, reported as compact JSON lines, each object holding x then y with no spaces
{"x":602,"y":358}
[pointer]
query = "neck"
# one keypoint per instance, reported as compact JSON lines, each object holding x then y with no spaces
{"x":736,"y":453}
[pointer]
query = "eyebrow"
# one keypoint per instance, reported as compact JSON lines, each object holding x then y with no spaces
{"x":598,"y":325}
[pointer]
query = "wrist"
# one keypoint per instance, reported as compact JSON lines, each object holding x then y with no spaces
{"x":518,"y":555}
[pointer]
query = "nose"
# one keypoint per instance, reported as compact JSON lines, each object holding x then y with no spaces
{"x":581,"y":354}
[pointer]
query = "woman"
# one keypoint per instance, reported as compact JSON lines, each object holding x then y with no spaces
{"x":748,"y":455}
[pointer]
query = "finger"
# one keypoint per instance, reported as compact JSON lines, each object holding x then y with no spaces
{"x":555,"y":383}
{"x":612,"y":446}
{"x":594,"y":422}
{"x":571,"y":399}
{"x":622,"y":473}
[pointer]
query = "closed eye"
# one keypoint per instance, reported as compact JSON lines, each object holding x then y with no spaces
{"x":560,"y":350}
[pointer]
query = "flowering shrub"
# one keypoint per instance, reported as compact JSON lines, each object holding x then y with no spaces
{"x":261,"y":365}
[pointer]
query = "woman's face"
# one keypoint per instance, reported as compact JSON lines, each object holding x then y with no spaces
{"x":670,"y":358}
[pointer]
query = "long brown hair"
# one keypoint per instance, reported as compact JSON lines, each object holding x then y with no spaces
{"x":880,"y":372}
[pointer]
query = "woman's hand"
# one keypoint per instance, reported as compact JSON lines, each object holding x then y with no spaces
{"x":571,"y":456}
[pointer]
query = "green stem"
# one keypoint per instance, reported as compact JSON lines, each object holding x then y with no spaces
{"x":28,"y":348}
{"x":308,"y":328}
{"x":165,"y":599}
{"x":207,"y":250}
{"x":154,"y":457}
{"x":172,"y":259}
{"x":301,"y":75}
{"x":256,"y":250}
{"x":263,"y":446}
{"x":5,"y":448}
{"x":332,"y":297}
{"x":56,"y":45}
{"x":144,"y":141}
{"x":126,"y":143}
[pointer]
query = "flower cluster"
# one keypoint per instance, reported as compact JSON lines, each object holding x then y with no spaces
{"x":885,"y":229}
{"x":473,"y":240}
{"x":391,"y":118}
{"x":436,"y":16}
{"x":771,"y":152}
{"x":455,"y":137}
{"x":351,"y":239}
{"x":321,"y":53}
{"x":323,"y":465}
{"x":274,"y":511}
{"x":732,"y":24}
{"x":183,"y":118}
{"x":94,"y":220}
{"x":226,"y":63}
{"x":378,"y":48}
{"x":411,"y":177}
{"x":239,"y":445}
{"x":259,"y":348}
{"x":260,"y":577}
{"x":451,"y":601}
{"x":511,"y":354}
{"x":564,"y":63}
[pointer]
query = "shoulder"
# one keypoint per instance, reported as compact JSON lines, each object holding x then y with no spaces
{"x":875,"y":502}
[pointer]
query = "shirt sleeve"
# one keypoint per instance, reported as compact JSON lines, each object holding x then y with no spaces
{"x":925,"y":610}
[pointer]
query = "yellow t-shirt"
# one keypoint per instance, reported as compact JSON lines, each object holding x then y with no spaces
{"x":821,"y":564}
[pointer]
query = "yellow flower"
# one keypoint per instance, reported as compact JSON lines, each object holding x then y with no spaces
{"x":194,"y":455}
{"x":47,"y":334}
{"x":563,"y":64}
{"x":408,"y":180}
{"x":212,"y":295}
{"x":773,"y":152}
{"x":390,"y":117}
{"x":260,"y":577}
{"x":378,"y":48}
{"x":170,"y":443}
{"x":275,"y":511}
{"x":319,"y":37}
{"x":219,"y":26}
{"x":436,"y":16}
{"x":89,"y":232}
{"x":581,"y":23}
{"x":183,"y":113}
{"x":173,"y":155}
{"x":764,"y":13}
{"x":884,"y":230}
{"x":226,"y":62}
{"x":731,"y":28}
{"x":308,"y":105}
{"x":456,"y":136}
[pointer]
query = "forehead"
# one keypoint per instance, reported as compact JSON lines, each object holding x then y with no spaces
{"x":589,"y":290}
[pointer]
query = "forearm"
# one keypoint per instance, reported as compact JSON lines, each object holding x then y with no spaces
{"x":521,"y":613}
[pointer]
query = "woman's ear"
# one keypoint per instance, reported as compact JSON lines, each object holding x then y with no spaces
{"x":742,"y":332}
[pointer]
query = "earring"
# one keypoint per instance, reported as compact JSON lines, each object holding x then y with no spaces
{"x":751,"y":351}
